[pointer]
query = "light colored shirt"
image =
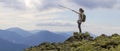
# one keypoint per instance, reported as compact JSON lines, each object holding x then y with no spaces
{"x":80,"y":16}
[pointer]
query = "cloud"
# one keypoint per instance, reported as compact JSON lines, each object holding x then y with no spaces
{"x":16,"y":4}
{"x":56,"y":23}
{"x":99,"y":29}
{"x":27,"y":19}
{"x":46,"y":4}
{"x":33,"y":3}
{"x":117,"y":4}
{"x":95,"y":3}
{"x":30,"y":4}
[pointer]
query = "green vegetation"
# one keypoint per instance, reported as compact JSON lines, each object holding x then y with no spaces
{"x":82,"y":42}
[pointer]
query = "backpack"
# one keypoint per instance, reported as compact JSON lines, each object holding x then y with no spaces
{"x":84,"y":18}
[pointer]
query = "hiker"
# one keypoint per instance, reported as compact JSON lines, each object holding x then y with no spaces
{"x":81,"y":18}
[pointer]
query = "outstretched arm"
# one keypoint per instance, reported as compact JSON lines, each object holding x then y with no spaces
{"x":75,"y":11}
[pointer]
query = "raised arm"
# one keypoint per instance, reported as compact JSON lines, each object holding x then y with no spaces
{"x":75,"y":11}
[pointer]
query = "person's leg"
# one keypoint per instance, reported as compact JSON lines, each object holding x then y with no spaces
{"x":79,"y":27}
{"x":80,"y":31}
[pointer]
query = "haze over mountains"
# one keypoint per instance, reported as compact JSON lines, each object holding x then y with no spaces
{"x":20,"y":39}
{"x":9,"y":46}
{"x":38,"y":37}
{"x":21,"y":32}
{"x":10,"y":36}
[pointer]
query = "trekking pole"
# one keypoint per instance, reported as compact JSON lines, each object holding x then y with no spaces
{"x":68,"y":8}
{"x":65,"y":7}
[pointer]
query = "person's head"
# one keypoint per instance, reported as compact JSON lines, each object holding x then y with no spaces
{"x":81,"y":10}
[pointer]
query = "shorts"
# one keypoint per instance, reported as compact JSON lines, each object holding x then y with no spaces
{"x":79,"y":21}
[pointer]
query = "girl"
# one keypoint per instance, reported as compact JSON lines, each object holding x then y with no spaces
{"x":81,"y":18}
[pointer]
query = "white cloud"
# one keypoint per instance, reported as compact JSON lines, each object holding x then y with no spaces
{"x":33,"y":3}
{"x":10,"y":17}
{"x":117,"y":6}
{"x":99,"y":29}
{"x":56,"y":23}
{"x":97,"y":3}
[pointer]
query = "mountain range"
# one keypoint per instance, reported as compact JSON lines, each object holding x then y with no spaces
{"x":20,"y":31}
{"x":17,"y":38}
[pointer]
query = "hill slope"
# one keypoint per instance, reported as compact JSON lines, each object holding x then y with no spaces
{"x":82,"y":42}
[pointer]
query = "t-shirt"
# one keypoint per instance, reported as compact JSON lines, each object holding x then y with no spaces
{"x":80,"y":16}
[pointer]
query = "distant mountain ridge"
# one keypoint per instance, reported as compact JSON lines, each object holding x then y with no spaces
{"x":16,"y":35}
{"x":20,"y":31}
{"x":25,"y":37}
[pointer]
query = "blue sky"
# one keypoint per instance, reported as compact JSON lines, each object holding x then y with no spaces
{"x":102,"y":15}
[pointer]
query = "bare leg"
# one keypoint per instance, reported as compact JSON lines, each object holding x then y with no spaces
{"x":79,"y":27}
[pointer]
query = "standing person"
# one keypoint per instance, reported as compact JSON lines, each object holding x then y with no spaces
{"x":81,"y":18}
